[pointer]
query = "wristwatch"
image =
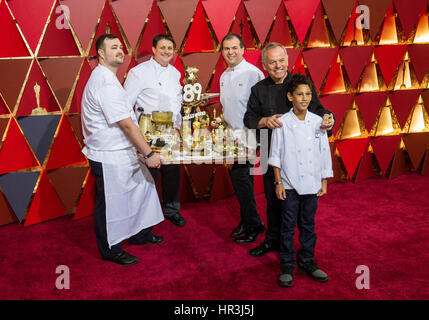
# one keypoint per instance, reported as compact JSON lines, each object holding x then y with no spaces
{"x":148,"y":155}
{"x":278,"y":182}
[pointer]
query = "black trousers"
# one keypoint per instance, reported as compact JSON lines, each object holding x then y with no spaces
{"x":244,"y":188}
{"x":298,"y":210}
{"x":274,"y":209}
{"x":100,"y":218}
{"x":170,"y":179}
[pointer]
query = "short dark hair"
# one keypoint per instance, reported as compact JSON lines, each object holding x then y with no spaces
{"x":99,"y":44}
{"x":160,"y":37}
{"x":230,"y":36}
{"x":297,"y":80}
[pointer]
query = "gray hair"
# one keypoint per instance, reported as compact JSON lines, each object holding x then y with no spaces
{"x":269,"y":46}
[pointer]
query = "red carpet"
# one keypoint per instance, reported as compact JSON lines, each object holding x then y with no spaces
{"x":383,"y":224}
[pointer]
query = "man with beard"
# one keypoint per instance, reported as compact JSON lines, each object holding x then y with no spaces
{"x":126,"y":204}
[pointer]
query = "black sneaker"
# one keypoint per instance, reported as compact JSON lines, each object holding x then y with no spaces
{"x":313,"y":272}
{"x":177,"y":219}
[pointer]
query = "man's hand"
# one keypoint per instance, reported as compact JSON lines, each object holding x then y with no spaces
{"x":280,"y":192}
{"x":327,"y":122}
{"x":271,"y":122}
{"x":324,"y":189}
{"x":153,"y":161}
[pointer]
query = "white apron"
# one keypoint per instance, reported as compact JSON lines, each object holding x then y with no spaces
{"x":132,"y":202}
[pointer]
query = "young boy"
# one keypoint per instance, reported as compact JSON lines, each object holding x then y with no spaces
{"x":301,"y":158}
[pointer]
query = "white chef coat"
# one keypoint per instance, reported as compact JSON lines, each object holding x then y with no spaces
{"x":153,"y":87}
{"x":301,"y":151}
{"x":235,"y":86}
{"x":132,"y":202}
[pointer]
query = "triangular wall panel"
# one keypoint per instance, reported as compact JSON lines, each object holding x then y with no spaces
{"x":366,"y":169}
{"x":67,"y":183}
{"x":351,"y":152}
{"x":338,"y":13}
{"x":338,"y":104}
{"x":18,"y":188}
{"x":419,"y":54}
{"x":335,"y":80}
{"x":199,"y":38}
{"x":262,"y":14}
{"x":28,"y":100}
{"x":318,"y":61}
{"x":280,"y":32}
{"x":416,"y":144}
{"x":221,"y":20}
{"x":178,"y":15}
{"x":403,"y":101}
{"x":45,"y":205}
{"x":153,"y":27}
{"x":388,"y":58}
{"x":61,"y":74}
{"x":369,"y":105}
{"x":85,"y":21}
{"x":131,"y":15}
{"x":32,"y":17}
{"x":12,"y":43}
{"x":58,"y":39}
{"x":15,"y":153}
{"x":378,"y":9}
{"x":408,"y":14}
{"x":40,"y":131}
{"x":400,"y":165}
{"x":13,"y":74}
{"x":355,"y":59}
{"x":241,"y":27}
{"x":65,"y":149}
{"x":384,"y":150}
{"x":301,"y":14}
{"x":318,"y":36}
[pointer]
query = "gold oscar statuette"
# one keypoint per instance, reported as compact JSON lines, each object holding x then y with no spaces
{"x":39,"y":110}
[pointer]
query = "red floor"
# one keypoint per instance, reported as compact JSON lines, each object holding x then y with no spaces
{"x":380,"y":223}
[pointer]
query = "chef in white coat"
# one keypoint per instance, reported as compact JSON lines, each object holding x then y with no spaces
{"x":154,"y":85}
{"x":126,"y":204}
{"x":235,"y":84}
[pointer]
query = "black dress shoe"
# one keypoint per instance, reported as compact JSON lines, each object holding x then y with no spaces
{"x":238,"y":231}
{"x":251,"y":236}
{"x":262,"y":249}
{"x":124,"y":259}
{"x":247,"y":238}
{"x":155,"y":240}
{"x":177,"y":219}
